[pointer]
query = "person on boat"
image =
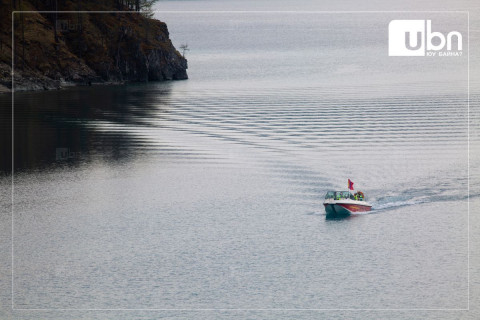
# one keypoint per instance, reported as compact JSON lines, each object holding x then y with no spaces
{"x":360,"y":195}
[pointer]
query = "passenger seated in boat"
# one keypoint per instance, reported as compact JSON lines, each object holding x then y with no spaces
{"x":338,"y":195}
{"x":359,"y":196}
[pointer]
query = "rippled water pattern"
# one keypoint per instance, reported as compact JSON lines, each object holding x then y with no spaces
{"x":207,"y":193}
{"x":388,"y":140}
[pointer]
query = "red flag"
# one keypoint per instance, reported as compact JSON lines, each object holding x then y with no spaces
{"x":350,"y":184}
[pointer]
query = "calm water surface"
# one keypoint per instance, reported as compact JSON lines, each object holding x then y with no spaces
{"x":207,"y":193}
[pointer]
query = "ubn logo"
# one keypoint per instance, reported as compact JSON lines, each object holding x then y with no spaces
{"x":415,"y":38}
{"x":62,"y":154}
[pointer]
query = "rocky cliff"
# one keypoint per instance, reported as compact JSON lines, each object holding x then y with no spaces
{"x":53,"y":48}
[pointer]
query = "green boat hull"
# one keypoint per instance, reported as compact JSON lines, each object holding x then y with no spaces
{"x":336,"y":210}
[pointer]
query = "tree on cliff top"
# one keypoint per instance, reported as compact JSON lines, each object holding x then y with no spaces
{"x":184,"y":47}
{"x":144,"y":6}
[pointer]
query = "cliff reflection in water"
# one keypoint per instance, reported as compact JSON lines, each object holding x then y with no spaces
{"x":77,"y":125}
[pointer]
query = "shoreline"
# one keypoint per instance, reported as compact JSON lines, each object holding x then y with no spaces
{"x":98,"y":49}
{"x":56,"y":85}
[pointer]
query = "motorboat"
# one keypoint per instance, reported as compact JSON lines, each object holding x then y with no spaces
{"x":344,"y":203}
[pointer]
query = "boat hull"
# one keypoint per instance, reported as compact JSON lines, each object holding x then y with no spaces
{"x":345,"y":209}
{"x":336,"y":210}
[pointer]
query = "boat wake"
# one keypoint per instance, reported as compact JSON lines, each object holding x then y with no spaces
{"x":393,"y":203}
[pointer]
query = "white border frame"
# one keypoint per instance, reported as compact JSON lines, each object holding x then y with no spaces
{"x":251,"y":309}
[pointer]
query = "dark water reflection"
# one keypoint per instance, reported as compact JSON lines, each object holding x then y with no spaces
{"x":6,"y":133}
{"x":57,"y":127}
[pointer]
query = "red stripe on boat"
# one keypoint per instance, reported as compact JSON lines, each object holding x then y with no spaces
{"x":355,"y":207}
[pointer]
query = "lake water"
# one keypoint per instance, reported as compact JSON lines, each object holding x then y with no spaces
{"x":203,"y":198}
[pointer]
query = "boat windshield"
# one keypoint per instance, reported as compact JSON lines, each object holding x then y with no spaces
{"x":345,"y":194}
{"x":337,"y":195}
{"x":330,"y":195}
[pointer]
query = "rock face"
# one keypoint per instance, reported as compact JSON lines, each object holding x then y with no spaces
{"x":132,"y":63}
{"x":166,"y":66}
{"x":88,"y":48}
